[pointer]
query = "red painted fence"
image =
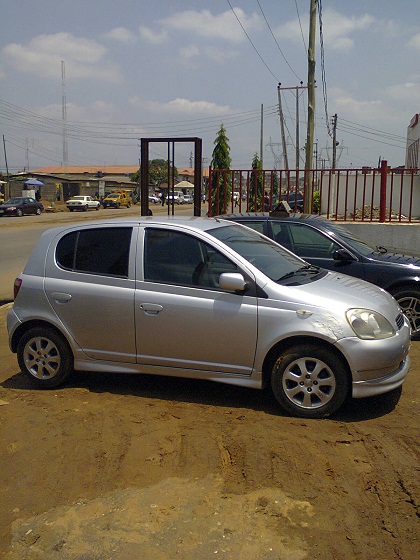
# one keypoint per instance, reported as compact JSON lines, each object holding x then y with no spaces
{"x":368,"y":194}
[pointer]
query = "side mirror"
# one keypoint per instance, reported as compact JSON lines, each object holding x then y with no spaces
{"x":343,"y":256}
{"x":232,"y":282}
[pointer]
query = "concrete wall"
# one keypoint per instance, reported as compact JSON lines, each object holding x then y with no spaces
{"x":401,"y":236}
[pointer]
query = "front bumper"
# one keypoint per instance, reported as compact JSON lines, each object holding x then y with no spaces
{"x":381,"y":385}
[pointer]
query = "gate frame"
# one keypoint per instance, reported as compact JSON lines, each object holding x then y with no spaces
{"x":144,"y":170}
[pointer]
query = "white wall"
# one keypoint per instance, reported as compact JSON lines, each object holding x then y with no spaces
{"x":402,"y":236}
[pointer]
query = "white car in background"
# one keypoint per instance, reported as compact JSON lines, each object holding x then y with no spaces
{"x":82,"y":203}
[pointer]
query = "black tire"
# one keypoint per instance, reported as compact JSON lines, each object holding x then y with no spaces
{"x":86,"y":208}
{"x":45,"y":357}
{"x":409,"y":301}
{"x":309,"y":381}
{"x":97,"y":208}
{"x":71,"y":209}
{"x":19,"y":213}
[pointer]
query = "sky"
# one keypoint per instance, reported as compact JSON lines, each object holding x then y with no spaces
{"x":153,"y":69}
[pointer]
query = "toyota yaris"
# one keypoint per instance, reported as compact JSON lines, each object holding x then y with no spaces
{"x":206,"y":299}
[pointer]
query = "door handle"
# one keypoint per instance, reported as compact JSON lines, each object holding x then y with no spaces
{"x":61,"y":297}
{"x":151,"y":308}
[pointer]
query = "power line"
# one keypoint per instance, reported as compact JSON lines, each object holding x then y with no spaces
{"x":300,"y":25}
{"x":278,"y":46}
{"x":323,"y":75}
{"x":249,"y":39}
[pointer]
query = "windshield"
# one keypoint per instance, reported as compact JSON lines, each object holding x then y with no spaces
{"x":271,"y":259}
{"x":357,"y":244}
{"x":14,"y":201}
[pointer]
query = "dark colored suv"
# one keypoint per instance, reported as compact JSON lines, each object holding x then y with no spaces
{"x":328,"y":245}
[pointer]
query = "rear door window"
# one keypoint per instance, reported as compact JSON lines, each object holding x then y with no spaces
{"x":102,"y":251}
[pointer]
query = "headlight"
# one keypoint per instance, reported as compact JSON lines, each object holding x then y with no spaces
{"x":369,"y":325}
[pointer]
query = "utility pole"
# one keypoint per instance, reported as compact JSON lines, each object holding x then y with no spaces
{"x":311,"y":107}
{"x":64,"y":114}
{"x":262,"y":136}
{"x":297,"y":92}
{"x":335,"y":143}
{"x":6,"y":190}
{"x":283,"y":137}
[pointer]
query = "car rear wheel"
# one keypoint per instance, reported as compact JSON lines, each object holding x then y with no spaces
{"x":86,"y":208}
{"x":19,"y":213}
{"x":45,"y":357}
{"x":38,"y":211}
{"x":309,"y":381}
{"x":409,"y":301}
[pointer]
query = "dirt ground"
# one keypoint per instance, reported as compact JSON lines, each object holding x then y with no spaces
{"x":127,"y":467}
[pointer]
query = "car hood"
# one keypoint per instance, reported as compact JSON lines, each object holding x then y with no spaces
{"x":397,"y":257}
{"x":337,"y":293}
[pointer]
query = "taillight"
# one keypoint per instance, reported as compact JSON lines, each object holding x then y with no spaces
{"x":16,"y":287}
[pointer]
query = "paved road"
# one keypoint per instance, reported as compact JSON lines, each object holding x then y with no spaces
{"x":18,"y":236}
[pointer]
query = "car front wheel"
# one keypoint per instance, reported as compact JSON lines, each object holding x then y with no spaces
{"x":309,"y":381}
{"x":45,"y":357}
{"x":19,"y":213}
{"x":409,"y":301}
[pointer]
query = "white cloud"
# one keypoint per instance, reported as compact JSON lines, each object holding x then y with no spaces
{"x":121,"y":35}
{"x":359,"y":110}
{"x":337,"y":29}
{"x":189,"y":52}
{"x":43,"y":55}
{"x":408,"y":93}
{"x":219,"y":55}
{"x":216,"y":54}
{"x":223,"y":26}
{"x":414,"y":42}
{"x":182,"y":106}
{"x":97,"y":111}
{"x":152,"y":37}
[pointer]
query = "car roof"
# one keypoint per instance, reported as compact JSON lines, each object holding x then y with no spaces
{"x":262,"y":216}
{"x":191,"y":222}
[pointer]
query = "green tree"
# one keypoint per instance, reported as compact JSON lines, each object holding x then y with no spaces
{"x":158,"y":172}
{"x":221,"y":182}
{"x":256,"y":186}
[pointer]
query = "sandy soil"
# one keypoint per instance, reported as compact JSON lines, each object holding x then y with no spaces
{"x":126,"y":467}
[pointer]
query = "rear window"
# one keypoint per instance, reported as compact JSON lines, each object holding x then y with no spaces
{"x":102,"y":251}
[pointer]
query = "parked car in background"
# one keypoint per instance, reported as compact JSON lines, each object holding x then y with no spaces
{"x":295,"y":200}
{"x":116,"y":200}
{"x":329,"y":245}
{"x":21,"y":205}
{"x":82,"y":203}
{"x":154,"y":199}
{"x":258,"y":315}
{"x":177,"y":197}
{"x":188,"y":199}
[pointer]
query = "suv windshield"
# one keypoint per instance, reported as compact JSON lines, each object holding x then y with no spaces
{"x":271,"y":259}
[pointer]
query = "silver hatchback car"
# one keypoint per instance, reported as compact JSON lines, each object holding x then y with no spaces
{"x":206,"y":299}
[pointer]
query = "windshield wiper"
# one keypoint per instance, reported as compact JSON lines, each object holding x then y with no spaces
{"x":307,"y":268}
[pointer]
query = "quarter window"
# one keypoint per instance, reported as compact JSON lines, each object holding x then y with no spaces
{"x":102,"y":251}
